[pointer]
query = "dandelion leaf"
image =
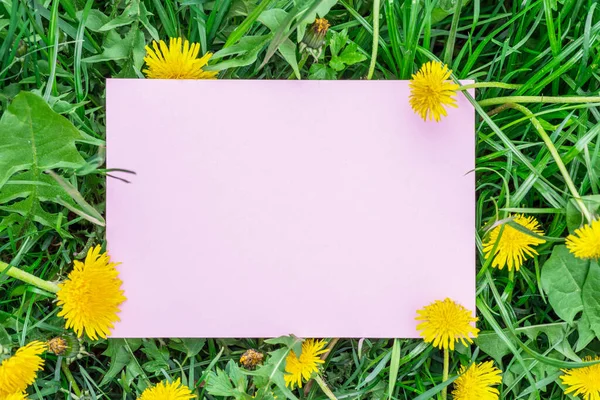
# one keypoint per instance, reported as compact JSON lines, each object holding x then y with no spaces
{"x":591,"y":297}
{"x":563,"y":278}
{"x":33,"y":139}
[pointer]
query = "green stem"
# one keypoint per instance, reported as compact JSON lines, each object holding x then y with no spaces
{"x":559,"y":163}
{"x":452,"y":36}
{"x":501,"y":85}
{"x":325,"y":388}
{"x":376,"y":7}
{"x":445,"y":373}
{"x":539,"y":99}
{"x":69,"y":376}
{"x":26,"y":277}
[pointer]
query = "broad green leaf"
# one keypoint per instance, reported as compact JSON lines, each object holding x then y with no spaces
{"x":115,"y":48}
{"x":563,"y":277}
{"x":228,"y":383}
{"x":272,"y":370}
{"x":95,"y":20}
{"x":219,"y":384}
{"x":290,"y":341}
{"x":273,"y":19}
{"x":36,"y":189}
{"x":121,"y":20}
{"x":321,"y":72}
{"x":246,"y":49}
{"x":351,"y":56}
{"x":584,"y":330}
{"x":574,"y":217}
{"x":33,"y":136}
{"x":119,"y":353}
{"x":336,"y":63}
{"x":337,"y":42}
{"x":591,"y":297}
{"x":135,"y":57}
{"x":34,"y":139}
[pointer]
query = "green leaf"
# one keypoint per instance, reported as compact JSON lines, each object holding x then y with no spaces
{"x":135,"y":56}
{"x":585,"y":332}
{"x":219,"y":384}
{"x":119,"y":355}
{"x":574,"y":217}
{"x":35,"y":137}
{"x":351,"y":56}
{"x":321,"y":72}
{"x":95,"y":20}
{"x":563,"y":277}
{"x":337,"y":42}
{"x":289,"y":341}
{"x":591,"y":297}
{"x":36,"y":189}
{"x":336,"y":63}
{"x":273,"y":19}
{"x":228,"y":383}
{"x":272,"y":370}
{"x":246,"y":49}
{"x":115,"y":48}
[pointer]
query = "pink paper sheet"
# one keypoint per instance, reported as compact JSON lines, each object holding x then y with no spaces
{"x":267,"y":208}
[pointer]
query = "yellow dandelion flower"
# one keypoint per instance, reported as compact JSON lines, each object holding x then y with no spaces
{"x":176,"y":62}
{"x":583,"y":381}
{"x":430,"y":91}
{"x":585,"y":242}
{"x":20,"y":370}
{"x":301,"y":368}
{"x":477,"y":382}
{"x":91,"y":296}
{"x":167,"y":391}
{"x":514,"y":246}
{"x":446,"y":322}
{"x":14,"y":396}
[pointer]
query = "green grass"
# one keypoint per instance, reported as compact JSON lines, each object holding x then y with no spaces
{"x":64,"y":49}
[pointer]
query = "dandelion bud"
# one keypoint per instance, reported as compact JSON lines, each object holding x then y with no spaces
{"x":315,"y":35}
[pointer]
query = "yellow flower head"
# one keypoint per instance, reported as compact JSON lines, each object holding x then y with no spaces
{"x":14,"y":396}
{"x":446,"y":322}
{"x":301,"y":368}
{"x":477,"y":382}
{"x":430,"y":91}
{"x":167,"y":391}
{"x":20,"y":370}
{"x":585,"y":242}
{"x":584,"y":381}
{"x":91,"y":296}
{"x":514,"y":246}
{"x":176,"y":62}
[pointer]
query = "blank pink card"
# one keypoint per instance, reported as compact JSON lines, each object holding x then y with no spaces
{"x":268,"y":208}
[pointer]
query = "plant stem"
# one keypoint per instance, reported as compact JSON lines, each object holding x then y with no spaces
{"x":559,"y":163}
{"x":69,"y":376}
{"x":376,"y":7}
{"x":452,"y":37}
{"x":445,"y":373}
{"x":539,"y":99}
{"x":325,"y":388}
{"x":501,"y":85}
{"x":26,"y":277}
